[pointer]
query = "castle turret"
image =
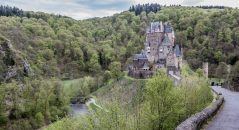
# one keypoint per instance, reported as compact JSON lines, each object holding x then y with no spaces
{"x":205,"y":69}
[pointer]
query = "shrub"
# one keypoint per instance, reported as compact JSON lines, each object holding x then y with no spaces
{"x":39,"y":119}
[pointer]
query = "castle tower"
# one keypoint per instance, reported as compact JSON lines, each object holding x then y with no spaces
{"x":205,"y":69}
{"x":153,"y":40}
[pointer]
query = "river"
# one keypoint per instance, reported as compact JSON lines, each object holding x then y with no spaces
{"x":81,"y":109}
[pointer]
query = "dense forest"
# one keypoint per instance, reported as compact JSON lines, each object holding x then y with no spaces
{"x":38,"y":50}
{"x":206,"y":35}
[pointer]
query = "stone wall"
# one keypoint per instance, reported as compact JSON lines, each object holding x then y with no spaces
{"x":195,"y":121}
{"x":140,"y":74}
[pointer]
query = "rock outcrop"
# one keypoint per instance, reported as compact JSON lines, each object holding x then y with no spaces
{"x":26,"y":67}
{"x":12,"y":62}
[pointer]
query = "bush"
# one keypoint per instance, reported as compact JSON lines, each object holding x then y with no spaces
{"x":115,"y":69}
{"x":234,"y":78}
{"x":39,"y":119}
{"x":107,"y":76}
{"x":3,"y":120}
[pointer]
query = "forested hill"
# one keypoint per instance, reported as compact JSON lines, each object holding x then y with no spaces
{"x":62,"y":47}
{"x":39,"y":50}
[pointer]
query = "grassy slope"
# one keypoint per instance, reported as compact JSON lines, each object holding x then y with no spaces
{"x":123,"y":90}
{"x":68,"y":85}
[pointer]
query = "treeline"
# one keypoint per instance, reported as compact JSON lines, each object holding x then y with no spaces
{"x":14,"y":11}
{"x":10,"y":11}
{"x":211,"y":7}
{"x":138,"y":9}
{"x":145,"y":7}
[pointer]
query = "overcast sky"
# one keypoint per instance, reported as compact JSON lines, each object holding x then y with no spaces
{"x":82,"y":9}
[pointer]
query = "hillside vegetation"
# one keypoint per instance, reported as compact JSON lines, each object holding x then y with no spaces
{"x":38,"y":50}
{"x":143,"y":104}
{"x":65,"y":48}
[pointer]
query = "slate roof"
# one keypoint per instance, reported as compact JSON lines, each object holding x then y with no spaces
{"x":140,"y":56}
{"x":154,"y":26}
{"x":168,"y":28}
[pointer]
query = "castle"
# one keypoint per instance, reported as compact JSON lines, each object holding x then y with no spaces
{"x":160,"y":52}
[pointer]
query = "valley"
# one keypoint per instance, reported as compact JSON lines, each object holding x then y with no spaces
{"x":58,"y":73}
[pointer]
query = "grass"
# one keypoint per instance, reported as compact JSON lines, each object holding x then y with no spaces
{"x":216,"y":80}
{"x":78,"y":87}
{"x":68,"y":86}
{"x":68,"y":83}
{"x":124,"y":90}
{"x":93,"y":106}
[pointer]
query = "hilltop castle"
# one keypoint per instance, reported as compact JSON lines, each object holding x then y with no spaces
{"x":160,"y":52}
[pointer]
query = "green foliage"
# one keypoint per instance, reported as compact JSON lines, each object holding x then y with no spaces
{"x":93,"y":64}
{"x":74,"y":48}
{"x":107,"y":76}
{"x":3,"y":118}
{"x":115,"y":69}
{"x":65,"y":48}
{"x":195,"y":93}
{"x":32,"y":103}
{"x":234,"y":77}
{"x":158,"y":104}
{"x":200,"y":72}
{"x":161,"y":102}
{"x":82,"y":87}
{"x":39,"y":119}
{"x":222,"y":71}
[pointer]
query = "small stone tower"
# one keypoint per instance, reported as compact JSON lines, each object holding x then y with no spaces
{"x":205,"y":69}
